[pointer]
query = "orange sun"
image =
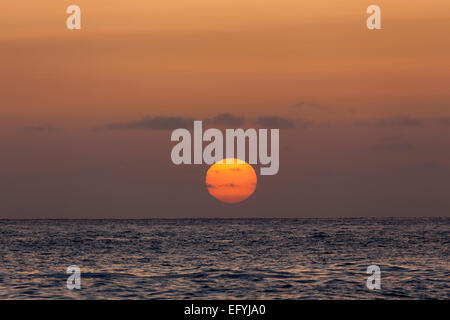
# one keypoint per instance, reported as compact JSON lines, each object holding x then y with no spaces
{"x":231,"y":180}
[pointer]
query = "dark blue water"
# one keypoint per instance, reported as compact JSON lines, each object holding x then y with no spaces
{"x":225,"y":259}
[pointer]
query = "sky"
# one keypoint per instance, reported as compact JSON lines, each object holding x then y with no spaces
{"x":86,"y":115}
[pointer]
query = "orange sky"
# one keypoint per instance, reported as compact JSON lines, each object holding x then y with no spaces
{"x":314,"y":62}
{"x":195,"y":57}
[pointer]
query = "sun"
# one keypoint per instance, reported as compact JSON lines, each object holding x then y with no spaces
{"x":231,"y":180}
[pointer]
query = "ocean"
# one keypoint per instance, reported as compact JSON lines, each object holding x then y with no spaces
{"x":225,"y":258}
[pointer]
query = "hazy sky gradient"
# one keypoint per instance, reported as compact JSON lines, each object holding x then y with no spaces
{"x":371,"y":109}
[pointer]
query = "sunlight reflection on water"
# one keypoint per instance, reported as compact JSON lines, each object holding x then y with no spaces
{"x":209,"y":259}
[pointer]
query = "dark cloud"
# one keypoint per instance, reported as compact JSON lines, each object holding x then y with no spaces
{"x":275,"y":122}
{"x":228,"y":185}
{"x":300,"y":123}
{"x":226,"y":119}
{"x":222,"y":120}
{"x":156,"y":123}
{"x":171,"y":123}
{"x":398,"y":121}
{"x":396,"y":147}
{"x":444,"y":121}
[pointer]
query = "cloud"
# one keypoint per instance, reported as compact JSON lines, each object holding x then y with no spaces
{"x":221,"y":120}
{"x":398,"y":121}
{"x":226,"y":185}
{"x":444,"y":121}
{"x":226,"y":119}
{"x":156,"y":123}
{"x":301,"y":123}
{"x":275,"y":122}
{"x":396,"y":147}
{"x":175,"y":122}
